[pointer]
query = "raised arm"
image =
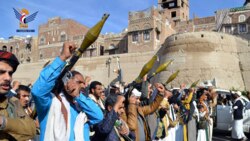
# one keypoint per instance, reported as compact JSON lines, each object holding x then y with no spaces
{"x":154,"y":106}
{"x":41,"y":90}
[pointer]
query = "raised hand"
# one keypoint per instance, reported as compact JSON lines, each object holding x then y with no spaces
{"x":67,"y":51}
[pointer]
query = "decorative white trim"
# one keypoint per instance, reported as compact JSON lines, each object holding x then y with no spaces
{"x":241,"y":18}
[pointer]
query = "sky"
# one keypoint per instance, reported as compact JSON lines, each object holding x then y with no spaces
{"x":89,"y":12}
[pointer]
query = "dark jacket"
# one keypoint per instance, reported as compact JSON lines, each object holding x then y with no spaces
{"x":238,"y":109}
{"x":104,"y":131}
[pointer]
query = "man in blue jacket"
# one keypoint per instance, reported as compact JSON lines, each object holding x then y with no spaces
{"x":67,"y":115}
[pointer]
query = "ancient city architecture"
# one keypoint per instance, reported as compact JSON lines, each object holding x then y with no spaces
{"x":214,"y":47}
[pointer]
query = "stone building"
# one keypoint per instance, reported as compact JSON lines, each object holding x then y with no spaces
{"x":235,"y":21}
{"x":25,"y":48}
{"x":52,"y":34}
{"x":114,"y":43}
{"x":203,"y":48}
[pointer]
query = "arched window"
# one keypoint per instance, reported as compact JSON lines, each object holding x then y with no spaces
{"x":4,"y":48}
{"x":63,"y":36}
{"x":242,"y":18}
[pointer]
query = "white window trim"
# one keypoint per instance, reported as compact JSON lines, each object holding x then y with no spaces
{"x":242,"y":15}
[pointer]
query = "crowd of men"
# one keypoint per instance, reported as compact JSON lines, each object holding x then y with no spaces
{"x":82,"y":110}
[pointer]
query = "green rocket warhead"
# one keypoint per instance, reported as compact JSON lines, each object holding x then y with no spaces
{"x":172,"y":77}
{"x":146,"y":68}
{"x":193,"y":85}
{"x":161,"y":68}
{"x":92,"y":35}
{"x":89,"y":38}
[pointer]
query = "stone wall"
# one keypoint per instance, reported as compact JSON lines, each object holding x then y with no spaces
{"x":205,"y":56}
{"x":95,"y":67}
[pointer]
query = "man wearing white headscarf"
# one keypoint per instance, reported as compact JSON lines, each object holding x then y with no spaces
{"x":238,"y":107}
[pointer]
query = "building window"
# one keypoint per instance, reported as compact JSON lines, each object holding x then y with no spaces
{"x":242,"y":18}
{"x":171,"y":4}
{"x":228,"y":29}
{"x":101,"y":50}
{"x":42,"y":40}
{"x":146,"y":35}
{"x":135,"y":37}
{"x":11,"y":49}
{"x":173,"y":14}
{"x":242,"y":28}
{"x":4,"y":48}
{"x":157,"y":35}
{"x":63,"y":38}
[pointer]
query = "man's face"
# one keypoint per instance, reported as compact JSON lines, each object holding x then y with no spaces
{"x":79,"y":81}
{"x":98,"y":91}
{"x":75,"y":83}
{"x":121,"y":110}
{"x":121,"y":106}
{"x":6,"y":72}
{"x":24,"y":98}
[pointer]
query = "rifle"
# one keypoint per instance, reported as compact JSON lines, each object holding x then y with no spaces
{"x":90,"y":38}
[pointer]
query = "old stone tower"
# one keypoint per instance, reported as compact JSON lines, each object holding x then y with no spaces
{"x":175,"y":10}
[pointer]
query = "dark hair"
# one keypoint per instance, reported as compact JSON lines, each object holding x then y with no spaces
{"x":74,"y":73}
{"x":110,"y":100}
{"x":22,"y":88}
{"x":93,"y":85}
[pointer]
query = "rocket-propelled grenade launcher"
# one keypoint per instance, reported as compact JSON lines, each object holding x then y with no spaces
{"x":90,"y":38}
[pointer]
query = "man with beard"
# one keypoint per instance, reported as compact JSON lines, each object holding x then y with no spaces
{"x":67,"y":115}
{"x":95,"y":93}
{"x":15,"y":124}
